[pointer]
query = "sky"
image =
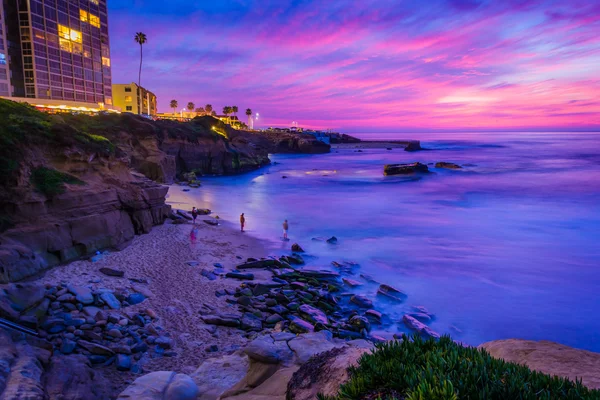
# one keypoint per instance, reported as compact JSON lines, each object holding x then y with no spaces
{"x":370,"y":65}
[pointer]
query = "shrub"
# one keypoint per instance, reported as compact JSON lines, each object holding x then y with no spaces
{"x":51,"y":182}
{"x":428,"y":370}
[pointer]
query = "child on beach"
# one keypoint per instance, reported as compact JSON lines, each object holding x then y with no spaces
{"x":285,"y":229}
{"x":242,"y":221}
{"x":194,"y":214}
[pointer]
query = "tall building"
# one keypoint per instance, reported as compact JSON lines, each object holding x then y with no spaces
{"x":57,"y":52}
{"x":129,"y":98}
{"x":4,"y":72}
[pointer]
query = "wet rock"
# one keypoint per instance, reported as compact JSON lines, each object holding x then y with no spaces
{"x":211,"y":222}
{"x":351,"y":282}
{"x":419,"y":327}
{"x":390,"y":293}
{"x":358,"y":323}
{"x":346,"y":334}
{"x":296,"y":247}
{"x":298,"y":325}
{"x":368,"y":278}
{"x":260,"y":264}
{"x":222,"y":320}
{"x":312,"y":314}
{"x":332,"y":240}
{"x":447,"y":165}
{"x":373,"y":315}
{"x":67,"y":346}
{"x":240,"y":275}
{"x":421,"y":317}
{"x":319,"y":274}
{"x":405,"y":169}
{"x":112,"y":272}
{"x":273,"y":319}
{"x":361,"y":301}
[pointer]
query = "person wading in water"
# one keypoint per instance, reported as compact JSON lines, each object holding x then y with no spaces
{"x":285,"y":229}
{"x":242,"y":221}
{"x":194,"y":214}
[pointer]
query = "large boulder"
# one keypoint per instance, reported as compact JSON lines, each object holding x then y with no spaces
{"x":405,"y":169}
{"x":216,"y":375}
{"x":162,"y":385}
{"x":72,"y":378}
{"x":324,"y":373}
{"x":550,"y":358}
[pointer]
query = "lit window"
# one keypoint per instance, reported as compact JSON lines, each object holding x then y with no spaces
{"x":106,"y":61}
{"x":64,"y":32}
{"x":83,"y":16}
{"x":94,"y":2}
{"x":94,"y":21}
{"x":75,"y":36}
{"x":128,"y":99}
{"x":66,"y":45}
{"x":2,"y":59}
{"x":77,"y":48}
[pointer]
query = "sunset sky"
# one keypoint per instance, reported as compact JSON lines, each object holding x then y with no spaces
{"x":370,"y":65}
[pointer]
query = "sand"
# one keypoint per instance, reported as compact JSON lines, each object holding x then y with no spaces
{"x":177,"y":290}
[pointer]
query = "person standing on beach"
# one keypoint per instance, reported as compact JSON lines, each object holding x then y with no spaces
{"x":285,"y":229}
{"x":194,"y":214}
{"x":242,"y":221}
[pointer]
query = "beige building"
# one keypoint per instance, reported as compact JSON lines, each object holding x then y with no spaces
{"x":130,"y":97}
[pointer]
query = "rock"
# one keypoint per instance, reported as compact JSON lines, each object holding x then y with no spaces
{"x":164,"y":342}
{"x":82,"y":294}
{"x":123,"y":362}
{"x":298,"y":325}
{"x":332,"y":240}
{"x":368,"y":278}
{"x":296,"y":247}
{"x":421,"y":317}
{"x":361,"y":301}
{"x":115,"y":333}
{"x":282,"y":336}
{"x":208,"y":274}
{"x":216,"y":375}
{"x":135,"y":298}
{"x":390,"y":293}
{"x":260,"y":264}
{"x":17,"y":298}
{"x":550,"y":358}
{"x":211,"y":222}
{"x":351,"y":282}
{"x":359,"y":323}
{"x":324,"y":373}
{"x":139,"y":348}
{"x":319,"y":274}
{"x":265,"y":350}
{"x":72,"y":378}
{"x":419,"y":327}
{"x":112,"y":272}
{"x":250,"y":322}
{"x":313,"y":315}
{"x":413,"y":145}
{"x":162,"y":385}
{"x":95,"y":348}
{"x":373,"y":315}
{"x":240,"y":275}
{"x":447,"y":165}
{"x":232,"y":321}
{"x":273,"y":319}
{"x":111,"y":300}
{"x":405,"y":169}
{"x":184,"y":214}
{"x":67,"y":346}
{"x":91,"y":311}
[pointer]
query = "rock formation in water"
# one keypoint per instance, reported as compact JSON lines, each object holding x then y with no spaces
{"x":447,"y":165}
{"x":405,"y":169}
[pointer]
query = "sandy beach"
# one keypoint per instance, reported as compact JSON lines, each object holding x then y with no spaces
{"x":176,"y":290}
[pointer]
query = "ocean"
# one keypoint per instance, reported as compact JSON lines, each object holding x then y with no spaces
{"x":507,"y":247}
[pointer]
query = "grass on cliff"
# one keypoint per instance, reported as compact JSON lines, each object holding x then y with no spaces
{"x":51,"y":182}
{"x":428,"y":370}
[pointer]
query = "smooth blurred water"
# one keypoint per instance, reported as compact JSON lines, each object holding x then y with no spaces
{"x":505,"y":248}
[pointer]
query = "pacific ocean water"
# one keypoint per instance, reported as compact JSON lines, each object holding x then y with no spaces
{"x":506,"y":247}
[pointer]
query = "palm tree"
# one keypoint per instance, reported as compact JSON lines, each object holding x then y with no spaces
{"x":200,"y":111}
{"x":190,"y":106}
{"x":208,"y":108}
{"x":248,"y":114}
{"x":213,"y":113}
{"x":140,"y":38}
{"x":174,"y":105}
{"x":235,"y":110}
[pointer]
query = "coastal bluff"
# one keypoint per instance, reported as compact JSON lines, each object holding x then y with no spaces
{"x":71,"y":185}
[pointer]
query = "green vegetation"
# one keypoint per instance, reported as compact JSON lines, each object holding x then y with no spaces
{"x":428,"y":370}
{"x":51,"y":182}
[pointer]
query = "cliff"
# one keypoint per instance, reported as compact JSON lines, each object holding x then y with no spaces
{"x":74,"y":184}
